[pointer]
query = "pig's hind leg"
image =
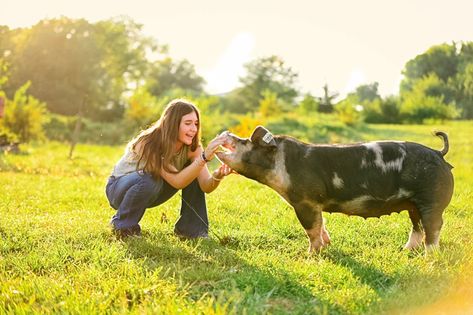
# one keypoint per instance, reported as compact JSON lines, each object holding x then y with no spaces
{"x":432,"y":222}
{"x":416,"y":237}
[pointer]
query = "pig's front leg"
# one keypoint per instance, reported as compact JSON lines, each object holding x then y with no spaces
{"x":310,"y":216}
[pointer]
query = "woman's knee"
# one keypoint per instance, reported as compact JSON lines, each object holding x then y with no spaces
{"x":194,"y":185}
{"x":150,"y":185}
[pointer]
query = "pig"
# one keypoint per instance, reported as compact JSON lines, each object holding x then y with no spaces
{"x":363,"y":179}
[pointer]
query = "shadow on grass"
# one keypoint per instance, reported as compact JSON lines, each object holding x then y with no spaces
{"x":369,"y":275}
{"x":207,"y":267}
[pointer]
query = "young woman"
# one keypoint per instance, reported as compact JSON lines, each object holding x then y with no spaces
{"x":162,"y":159}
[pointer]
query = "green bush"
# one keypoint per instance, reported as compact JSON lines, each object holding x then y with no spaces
{"x":347,"y":112}
{"x":418,"y":105}
{"x":382,"y":111}
{"x":423,"y":108}
{"x":25,"y":116}
{"x":61,"y":128}
{"x":7,"y":137}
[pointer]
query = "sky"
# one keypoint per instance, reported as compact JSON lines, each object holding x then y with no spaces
{"x":341,"y":43}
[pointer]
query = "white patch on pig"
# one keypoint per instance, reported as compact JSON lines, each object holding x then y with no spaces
{"x":415,"y":240}
{"x":401,"y":194}
{"x":357,"y":204}
{"x":278,"y":178}
{"x":308,"y":151}
{"x":395,"y":165}
{"x":337,"y":181}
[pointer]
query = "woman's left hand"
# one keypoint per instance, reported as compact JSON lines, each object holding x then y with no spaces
{"x":221,"y":172}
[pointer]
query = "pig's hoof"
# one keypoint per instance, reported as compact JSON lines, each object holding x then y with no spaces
{"x":316,"y":247}
{"x":411,"y":246}
{"x":326,"y":239}
{"x":314,"y":251}
{"x":432,"y":248}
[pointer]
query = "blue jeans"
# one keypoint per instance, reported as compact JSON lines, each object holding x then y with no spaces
{"x":133,"y":193}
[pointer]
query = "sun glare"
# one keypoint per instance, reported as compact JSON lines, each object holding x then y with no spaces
{"x":357,"y":77}
{"x":230,"y":66}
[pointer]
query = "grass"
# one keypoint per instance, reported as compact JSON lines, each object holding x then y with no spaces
{"x":57,"y":254}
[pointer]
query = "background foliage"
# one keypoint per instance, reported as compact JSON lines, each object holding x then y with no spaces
{"x":120,"y":80}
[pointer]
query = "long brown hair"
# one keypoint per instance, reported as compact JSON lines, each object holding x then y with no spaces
{"x":157,"y":142}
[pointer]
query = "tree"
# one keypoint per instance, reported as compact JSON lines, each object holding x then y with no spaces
{"x":464,"y":87}
{"x":450,"y":64}
{"x":268,"y":73}
{"x":367,"y":92}
{"x":3,"y":73}
{"x":53,"y":55}
{"x":124,"y":58}
{"x":67,"y":60}
{"x":441,"y":60}
{"x":168,"y":74}
{"x":3,"y":80}
{"x":326,"y":101}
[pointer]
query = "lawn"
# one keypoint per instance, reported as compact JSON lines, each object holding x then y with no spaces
{"x":58,"y":255}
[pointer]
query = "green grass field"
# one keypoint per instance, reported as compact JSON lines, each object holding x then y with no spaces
{"x":57,"y":254}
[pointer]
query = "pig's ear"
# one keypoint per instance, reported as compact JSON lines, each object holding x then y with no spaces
{"x":262,"y":137}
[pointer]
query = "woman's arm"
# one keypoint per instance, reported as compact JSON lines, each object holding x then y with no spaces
{"x":209,"y":182}
{"x":186,"y":176}
{"x":195,"y":169}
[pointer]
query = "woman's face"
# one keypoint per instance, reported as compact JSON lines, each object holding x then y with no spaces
{"x":188,"y":128}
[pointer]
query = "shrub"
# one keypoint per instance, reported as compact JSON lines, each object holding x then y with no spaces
{"x":309,"y":104}
{"x":347,"y":112}
{"x":7,"y":137}
{"x":270,"y":105}
{"x":382,"y":111}
{"x":420,"y":105}
{"x":422,"y":108}
{"x":25,"y":116}
{"x":246,"y":125}
{"x":59,"y":127}
{"x":143,"y":109}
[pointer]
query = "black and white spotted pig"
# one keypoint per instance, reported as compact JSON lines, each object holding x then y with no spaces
{"x":367,"y":179}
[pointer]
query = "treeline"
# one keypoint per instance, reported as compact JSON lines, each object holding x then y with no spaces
{"x":118,"y":80}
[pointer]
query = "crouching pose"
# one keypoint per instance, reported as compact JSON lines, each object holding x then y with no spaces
{"x":162,"y":159}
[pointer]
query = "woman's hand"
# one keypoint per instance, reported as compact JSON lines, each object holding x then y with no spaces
{"x":221,"y":172}
{"x":213,"y":145}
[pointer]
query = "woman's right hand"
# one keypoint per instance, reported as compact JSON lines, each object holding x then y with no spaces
{"x":213,"y":146}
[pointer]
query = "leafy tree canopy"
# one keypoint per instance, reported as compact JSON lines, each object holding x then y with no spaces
{"x":168,"y":74}
{"x":67,"y":60}
{"x":267,"y":74}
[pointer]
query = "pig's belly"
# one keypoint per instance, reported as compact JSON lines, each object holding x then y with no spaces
{"x":368,"y":207}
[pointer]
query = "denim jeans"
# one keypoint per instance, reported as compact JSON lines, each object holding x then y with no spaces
{"x":133,"y":193}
